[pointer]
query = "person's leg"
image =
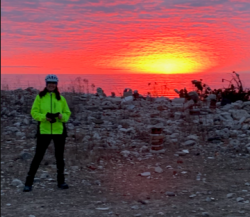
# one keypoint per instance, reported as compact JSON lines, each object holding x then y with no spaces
{"x":59,"y":143}
{"x":43,"y":142}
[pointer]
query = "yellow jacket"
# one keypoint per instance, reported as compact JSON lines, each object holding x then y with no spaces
{"x":49,"y":103}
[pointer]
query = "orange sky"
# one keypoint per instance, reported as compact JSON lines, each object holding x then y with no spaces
{"x":122,"y":36}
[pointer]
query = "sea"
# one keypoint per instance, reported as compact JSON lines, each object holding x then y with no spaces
{"x":154,"y":84}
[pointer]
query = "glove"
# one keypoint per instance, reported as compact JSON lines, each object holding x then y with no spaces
{"x":52,"y":116}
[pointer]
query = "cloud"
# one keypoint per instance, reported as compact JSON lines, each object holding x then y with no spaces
{"x":90,"y":30}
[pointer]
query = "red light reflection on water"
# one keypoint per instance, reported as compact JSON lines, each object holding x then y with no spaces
{"x":156,"y":84}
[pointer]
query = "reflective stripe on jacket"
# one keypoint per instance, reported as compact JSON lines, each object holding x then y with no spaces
{"x":49,"y":103}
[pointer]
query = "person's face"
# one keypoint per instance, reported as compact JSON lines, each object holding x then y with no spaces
{"x":51,"y":86}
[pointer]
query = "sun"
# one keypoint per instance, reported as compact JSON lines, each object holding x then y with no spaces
{"x":164,"y":63}
{"x":165,"y":56}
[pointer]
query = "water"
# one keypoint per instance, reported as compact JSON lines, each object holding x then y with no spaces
{"x":156,"y":84}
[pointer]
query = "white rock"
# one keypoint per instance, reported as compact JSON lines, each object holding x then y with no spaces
{"x":44,"y":175}
{"x":26,"y":121}
{"x":158,"y":170}
{"x":125,"y":153}
{"x":102,"y":208}
{"x":240,"y":113}
{"x":230,"y":195}
{"x":145,"y":174}
{"x":178,"y":101}
{"x":211,"y":97}
{"x":192,"y":196}
{"x":226,"y":116}
{"x":161,"y":99}
{"x":189,"y":143}
{"x":70,"y":126}
{"x":16,"y":182}
{"x":242,"y":120}
{"x":193,"y":137}
{"x":127,"y":100}
{"x":188,"y":104}
{"x":239,"y":199}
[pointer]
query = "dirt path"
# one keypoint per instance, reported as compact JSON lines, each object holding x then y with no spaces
{"x":113,"y":187}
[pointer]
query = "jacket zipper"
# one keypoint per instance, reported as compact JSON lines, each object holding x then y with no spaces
{"x":51,"y":109}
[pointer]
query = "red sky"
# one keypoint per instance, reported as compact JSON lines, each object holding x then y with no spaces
{"x":124,"y":36}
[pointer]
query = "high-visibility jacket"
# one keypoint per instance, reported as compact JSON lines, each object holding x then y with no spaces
{"x":49,"y":103}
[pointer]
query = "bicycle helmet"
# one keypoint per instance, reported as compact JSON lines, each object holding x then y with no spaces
{"x":51,"y":78}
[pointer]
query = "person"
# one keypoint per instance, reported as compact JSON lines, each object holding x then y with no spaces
{"x":51,"y":111}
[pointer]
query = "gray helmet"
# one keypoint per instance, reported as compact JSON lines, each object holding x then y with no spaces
{"x":51,"y":78}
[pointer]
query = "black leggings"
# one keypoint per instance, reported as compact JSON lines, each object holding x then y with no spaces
{"x":43,"y":141}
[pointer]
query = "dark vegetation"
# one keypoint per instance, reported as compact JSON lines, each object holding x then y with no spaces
{"x":232,"y":93}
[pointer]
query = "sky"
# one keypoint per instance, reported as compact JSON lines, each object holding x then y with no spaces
{"x":125,"y":36}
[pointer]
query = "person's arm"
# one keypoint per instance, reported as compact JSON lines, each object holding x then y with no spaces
{"x":65,"y":111}
{"x":35,"y":110}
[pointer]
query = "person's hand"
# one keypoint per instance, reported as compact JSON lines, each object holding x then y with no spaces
{"x":48,"y":119}
{"x":60,"y":116}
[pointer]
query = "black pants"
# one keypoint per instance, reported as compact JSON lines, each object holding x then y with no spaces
{"x":43,"y":142}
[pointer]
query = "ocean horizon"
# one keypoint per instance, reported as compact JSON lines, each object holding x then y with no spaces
{"x":156,"y":84}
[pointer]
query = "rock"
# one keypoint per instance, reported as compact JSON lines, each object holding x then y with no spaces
{"x":205,"y":214}
{"x":188,"y":104}
{"x":102,"y":209}
{"x":127,"y":100}
{"x":26,"y":121}
{"x":161,"y":100}
{"x":135,"y":207}
{"x":145,"y":174}
{"x":211,"y":97}
{"x":230,"y":195}
{"x":239,"y":199}
{"x":224,"y":133}
{"x":16,"y":183}
{"x":74,"y":168}
{"x":178,"y":102}
{"x":100,"y":92}
{"x":193,"y":137}
{"x":127,"y":92}
{"x":125,"y":153}
{"x":194,"y":96}
{"x":189,"y":143}
{"x":180,"y":153}
{"x":13,"y":129}
{"x":25,"y":155}
{"x":238,"y":114}
{"x":158,"y":170}
{"x":44,"y":175}
{"x":20,"y":134}
{"x":226,"y":116}
{"x":178,"y":115}
{"x":70,"y":126}
{"x":170,"y":194}
{"x":192,"y":196}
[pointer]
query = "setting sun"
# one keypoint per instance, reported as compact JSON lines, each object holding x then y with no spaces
{"x":168,"y":63}
{"x":165,"y":56}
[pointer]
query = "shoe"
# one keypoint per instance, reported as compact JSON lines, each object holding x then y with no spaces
{"x":63,"y":186}
{"x":27,"y":188}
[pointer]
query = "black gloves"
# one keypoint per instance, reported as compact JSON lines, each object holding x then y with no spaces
{"x":52,"y":116}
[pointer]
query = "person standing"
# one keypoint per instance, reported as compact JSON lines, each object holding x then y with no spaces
{"x":51,"y":111}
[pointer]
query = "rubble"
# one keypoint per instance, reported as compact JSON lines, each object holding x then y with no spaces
{"x":118,"y":147}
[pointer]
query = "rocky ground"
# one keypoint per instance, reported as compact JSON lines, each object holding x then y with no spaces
{"x":110,"y":167}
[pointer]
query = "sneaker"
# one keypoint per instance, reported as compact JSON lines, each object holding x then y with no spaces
{"x":63,"y":186}
{"x":27,"y":188}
